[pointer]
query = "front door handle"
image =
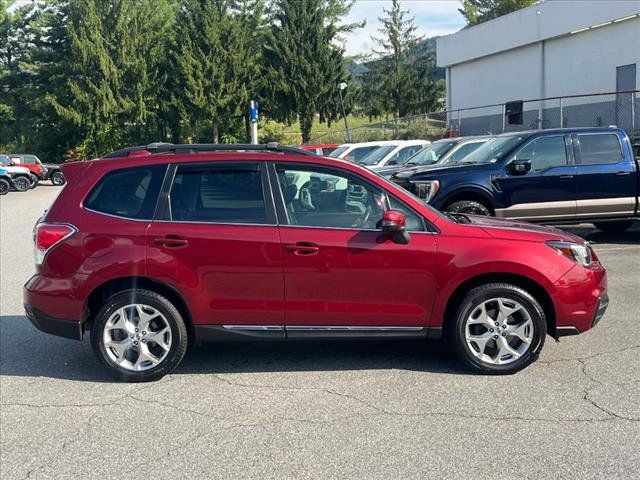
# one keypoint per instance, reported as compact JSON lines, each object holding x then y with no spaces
{"x":171,"y":241}
{"x":303,"y":248}
{"x":623,"y":174}
{"x":566,"y":177}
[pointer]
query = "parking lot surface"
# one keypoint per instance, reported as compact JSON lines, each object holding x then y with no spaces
{"x":323,"y":409}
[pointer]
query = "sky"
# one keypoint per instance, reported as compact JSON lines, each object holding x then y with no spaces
{"x":432,"y":17}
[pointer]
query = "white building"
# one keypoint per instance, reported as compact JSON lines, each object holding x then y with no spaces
{"x":553,"y":48}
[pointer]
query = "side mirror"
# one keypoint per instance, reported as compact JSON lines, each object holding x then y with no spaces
{"x":392,"y":162}
{"x":520,"y":167}
{"x":394,"y":222}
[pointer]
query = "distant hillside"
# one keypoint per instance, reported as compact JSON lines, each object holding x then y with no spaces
{"x":426,"y":47}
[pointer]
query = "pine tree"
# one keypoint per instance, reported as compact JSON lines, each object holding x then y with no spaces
{"x":304,"y":63}
{"x":211,"y":69}
{"x":478,"y":11}
{"x":397,"y":65}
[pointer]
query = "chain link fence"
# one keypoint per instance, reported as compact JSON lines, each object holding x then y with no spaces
{"x":621,"y":109}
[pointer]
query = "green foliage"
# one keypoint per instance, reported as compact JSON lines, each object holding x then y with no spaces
{"x":304,"y":64}
{"x":478,"y":11}
{"x":400,"y":81}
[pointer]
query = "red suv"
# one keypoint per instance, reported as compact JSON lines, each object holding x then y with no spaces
{"x":155,"y":247}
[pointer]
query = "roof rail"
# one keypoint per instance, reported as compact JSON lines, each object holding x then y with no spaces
{"x":208,"y":147}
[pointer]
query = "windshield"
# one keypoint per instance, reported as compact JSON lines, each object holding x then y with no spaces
{"x":4,"y":161}
{"x":431,"y":154}
{"x":377,"y":156}
{"x":494,"y":149}
{"x":336,"y":153}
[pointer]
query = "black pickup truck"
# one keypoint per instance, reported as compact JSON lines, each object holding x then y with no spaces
{"x":556,"y":176}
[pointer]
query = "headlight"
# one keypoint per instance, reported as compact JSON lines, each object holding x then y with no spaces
{"x":427,"y":189}
{"x":579,"y":253}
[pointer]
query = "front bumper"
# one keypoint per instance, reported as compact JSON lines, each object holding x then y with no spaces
{"x":580,"y":299}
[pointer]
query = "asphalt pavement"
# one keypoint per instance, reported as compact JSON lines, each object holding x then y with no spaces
{"x":402,"y":409}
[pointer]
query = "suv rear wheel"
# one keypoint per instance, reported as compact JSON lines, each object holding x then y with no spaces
{"x":21,"y":183}
{"x":57,"y":178}
{"x":5,"y":186}
{"x":498,"y":329}
{"x":139,"y":335}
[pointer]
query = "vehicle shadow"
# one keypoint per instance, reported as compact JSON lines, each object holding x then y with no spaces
{"x":595,"y":236}
{"x":26,"y":352}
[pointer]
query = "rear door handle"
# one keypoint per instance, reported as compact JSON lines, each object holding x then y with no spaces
{"x":566,"y":177}
{"x":303,"y":248}
{"x":171,"y":241}
{"x":623,"y":174}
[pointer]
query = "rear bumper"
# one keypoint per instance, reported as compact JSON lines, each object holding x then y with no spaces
{"x":580,"y":299}
{"x":54,"y":326}
{"x":51,"y":307}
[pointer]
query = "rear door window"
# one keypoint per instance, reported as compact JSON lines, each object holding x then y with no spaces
{"x":218,"y":194}
{"x":545,"y":153}
{"x":598,"y":149}
{"x":129,"y":193}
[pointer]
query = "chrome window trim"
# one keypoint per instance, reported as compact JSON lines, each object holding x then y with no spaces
{"x":353,"y":229}
{"x":118,"y":216}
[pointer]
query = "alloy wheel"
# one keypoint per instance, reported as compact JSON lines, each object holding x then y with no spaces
{"x":499,"y":331}
{"x":137,"y":337}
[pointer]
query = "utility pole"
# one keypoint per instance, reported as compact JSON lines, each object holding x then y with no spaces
{"x":253,"y":120}
{"x":342,"y":86}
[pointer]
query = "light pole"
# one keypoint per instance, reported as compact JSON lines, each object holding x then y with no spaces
{"x":342,"y":86}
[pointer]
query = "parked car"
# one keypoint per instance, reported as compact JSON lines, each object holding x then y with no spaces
{"x":445,"y":151}
{"x":322,"y":149}
{"x":355,"y":152}
{"x":5,"y":182}
{"x":22,"y":177}
{"x":43,"y":171}
{"x":31,"y":162}
{"x":151,"y":248}
{"x":547,"y":176}
{"x":392,"y":154}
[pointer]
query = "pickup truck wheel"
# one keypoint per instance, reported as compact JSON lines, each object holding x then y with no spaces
{"x":139,"y":335}
{"x":498,"y":329}
{"x":468,"y":206}
{"x":21,"y":184}
{"x":57,"y":178}
{"x":614,"y":227}
{"x":5,"y":186}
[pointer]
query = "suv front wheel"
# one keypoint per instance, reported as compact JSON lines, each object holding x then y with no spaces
{"x":139,"y":335}
{"x":498,"y":329}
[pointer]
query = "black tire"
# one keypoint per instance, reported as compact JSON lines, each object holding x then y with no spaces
{"x":34,"y":182}
{"x":614,"y":227}
{"x":171,"y":314}
{"x":457,"y":327}
{"x":5,"y":186}
{"x":57,"y":178}
{"x":21,"y":183}
{"x":470,"y":207}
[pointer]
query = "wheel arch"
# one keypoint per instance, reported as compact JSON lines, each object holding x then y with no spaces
{"x":526,"y":283}
{"x":473,"y":194}
{"x":102,"y":292}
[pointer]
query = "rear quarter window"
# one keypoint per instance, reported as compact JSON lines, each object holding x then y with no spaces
{"x":598,"y":149}
{"x":129,"y":193}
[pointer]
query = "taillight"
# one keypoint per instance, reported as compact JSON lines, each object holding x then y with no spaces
{"x":47,"y":235}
